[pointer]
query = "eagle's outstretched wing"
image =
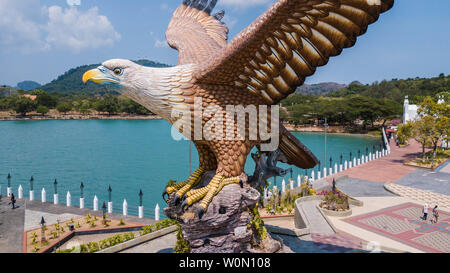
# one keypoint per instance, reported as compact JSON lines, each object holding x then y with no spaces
{"x":274,"y":55}
{"x":195,"y":33}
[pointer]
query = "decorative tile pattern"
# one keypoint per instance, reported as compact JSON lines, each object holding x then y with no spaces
{"x":402,"y":223}
{"x":389,"y":224}
{"x":422,"y":196}
{"x":436,"y":240}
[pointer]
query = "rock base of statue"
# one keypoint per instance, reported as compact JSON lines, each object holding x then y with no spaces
{"x":226,"y":227}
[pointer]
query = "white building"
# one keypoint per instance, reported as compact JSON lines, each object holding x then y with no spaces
{"x":409,"y":111}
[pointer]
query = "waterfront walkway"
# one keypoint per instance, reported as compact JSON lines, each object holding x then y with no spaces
{"x":386,"y":169}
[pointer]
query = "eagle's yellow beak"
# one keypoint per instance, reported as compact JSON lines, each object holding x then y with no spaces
{"x":98,"y":76}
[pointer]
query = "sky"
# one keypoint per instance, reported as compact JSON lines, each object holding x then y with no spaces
{"x":41,"y":39}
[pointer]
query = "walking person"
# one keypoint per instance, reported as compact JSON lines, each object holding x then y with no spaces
{"x":425,"y":213}
{"x":13,"y":201}
{"x":435,"y":214}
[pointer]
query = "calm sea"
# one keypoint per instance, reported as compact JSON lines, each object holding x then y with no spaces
{"x":126,"y":154}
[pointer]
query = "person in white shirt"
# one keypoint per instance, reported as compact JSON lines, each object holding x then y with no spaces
{"x":425,"y":212}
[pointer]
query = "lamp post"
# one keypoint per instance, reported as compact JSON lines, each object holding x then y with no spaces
{"x":31,"y":188}
{"x":342,"y":157}
{"x":104,"y":213}
{"x":291,"y":174}
{"x":109,"y":199}
{"x":55,"y":195}
{"x":331,"y":162}
{"x":82,"y":190}
{"x":359,"y":153}
{"x":42,"y":230}
{"x":141,"y":207}
{"x":351,"y":156}
{"x":82,"y":196}
{"x":8,"y":189}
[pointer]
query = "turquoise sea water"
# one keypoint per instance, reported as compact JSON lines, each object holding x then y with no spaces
{"x":126,"y":154}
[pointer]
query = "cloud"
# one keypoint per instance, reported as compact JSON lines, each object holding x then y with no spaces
{"x":161,"y":43}
{"x":73,"y":2}
{"x":29,"y":27}
{"x":79,"y":30}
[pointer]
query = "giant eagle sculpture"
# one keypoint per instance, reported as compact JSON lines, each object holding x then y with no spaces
{"x":262,"y":65}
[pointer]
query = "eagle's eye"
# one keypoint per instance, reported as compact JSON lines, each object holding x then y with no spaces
{"x":117,"y":70}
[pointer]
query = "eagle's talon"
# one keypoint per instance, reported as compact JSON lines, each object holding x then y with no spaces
{"x":165,"y":195}
{"x":184,"y":205}
{"x":176,"y":200}
{"x":201,"y":212}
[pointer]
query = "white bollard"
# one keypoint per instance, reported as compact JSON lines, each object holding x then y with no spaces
{"x":141,"y":212}
{"x":324,"y":172}
{"x":340,"y":168}
{"x":275,"y":189}
{"x":330,"y":172}
{"x":367,"y":158}
{"x":318,"y":175}
{"x":95,"y":203}
{"x":110,"y":207}
{"x":8,"y":191}
{"x":370,"y":157}
{"x":81,"y":203}
{"x":354,"y":162}
{"x":157,"y":218}
{"x":125,"y":207}
{"x":68,"y":199}
{"x":299,"y":181}
{"x":55,"y":199}
{"x":350,"y":165}
{"x":312,"y":176}
{"x":20,"y":192}
{"x":283,"y":186}
{"x":31,"y":195}
{"x":335,"y":168}
{"x":291,"y":183}
{"x":360,"y":162}
{"x":43,"y":196}
{"x":345,"y":165}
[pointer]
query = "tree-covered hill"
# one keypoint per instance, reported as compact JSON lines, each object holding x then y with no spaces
{"x":28,"y":85}
{"x":417,"y":89}
{"x":320,"y":88}
{"x":70,"y":83}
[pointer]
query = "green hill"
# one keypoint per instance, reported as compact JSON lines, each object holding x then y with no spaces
{"x":417,"y":89}
{"x":70,"y":82}
{"x":28,"y":85}
{"x":320,"y":88}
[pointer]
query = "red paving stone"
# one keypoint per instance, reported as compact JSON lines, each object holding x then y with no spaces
{"x":386,"y":169}
{"x":402,"y":223}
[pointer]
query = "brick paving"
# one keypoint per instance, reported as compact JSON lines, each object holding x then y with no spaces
{"x":402,"y":223}
{"x":386,"y":169}
{"x":423,"y":196}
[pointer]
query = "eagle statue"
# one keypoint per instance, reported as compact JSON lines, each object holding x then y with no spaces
{"x":262,"y":65}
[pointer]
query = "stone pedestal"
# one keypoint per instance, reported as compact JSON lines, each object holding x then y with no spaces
{"x":226,"y":227}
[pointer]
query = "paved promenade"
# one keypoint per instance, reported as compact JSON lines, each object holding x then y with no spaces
{"x":28,"y":214}
{"x":386,"y":169}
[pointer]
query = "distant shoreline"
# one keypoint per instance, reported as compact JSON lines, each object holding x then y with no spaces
{"x":6,"y":116}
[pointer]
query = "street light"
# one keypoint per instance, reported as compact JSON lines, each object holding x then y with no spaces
{"x":351,"y":157}
{"x":31,"y":183}
{"x":42,"y":230}
{"x":104,"y":210}
{"x":140,"y":197}
{"x":367,"y":150}
{"x":341,"y":158}
{"x":359,"y":153}
{"x":331,"y":162}
{"x":82,"y":190}
{"x":291,"y":174}
{"x":55,"y":185}
{"x":109,"y":193}
{"x":9,"y":180}
{"x":319,"y":165}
